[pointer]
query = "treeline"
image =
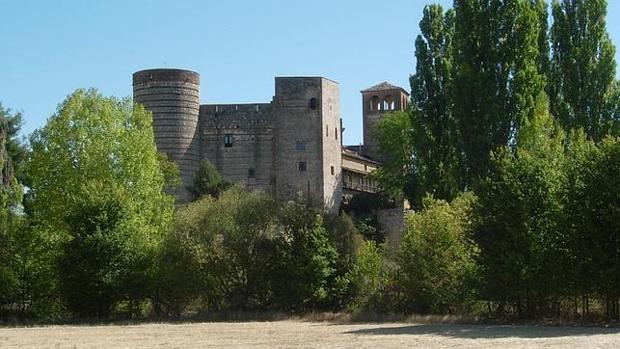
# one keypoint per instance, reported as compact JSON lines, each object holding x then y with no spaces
{"x":523,"y":117}
{"x":510,"y":155}
{"x":95,"y":236}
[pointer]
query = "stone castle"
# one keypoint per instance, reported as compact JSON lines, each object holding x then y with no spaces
{"x":288,"y":146}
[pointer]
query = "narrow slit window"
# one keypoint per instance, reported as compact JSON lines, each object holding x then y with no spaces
{"x":228,"y":140}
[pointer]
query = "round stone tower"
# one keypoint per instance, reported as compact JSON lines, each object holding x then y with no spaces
{"x":173,"y":96}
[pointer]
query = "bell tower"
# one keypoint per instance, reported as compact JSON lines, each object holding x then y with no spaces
{"x":376,"y":101}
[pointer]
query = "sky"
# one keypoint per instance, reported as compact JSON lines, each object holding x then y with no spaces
{"x":50,"y":48}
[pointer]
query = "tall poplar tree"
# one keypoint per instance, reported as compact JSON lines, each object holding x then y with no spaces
{"x":496,"y":74}
{"x":10,"y":197}
{"x":435,"y":144}
{"x":584,"y":91}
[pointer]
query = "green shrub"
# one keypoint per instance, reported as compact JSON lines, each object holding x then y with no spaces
{"x":371,"y":279}
{"x":437,"y":257}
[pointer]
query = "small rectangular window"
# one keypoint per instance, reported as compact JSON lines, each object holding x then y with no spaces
{"x":302,"y":166}
{"x":326,"y":131}
{"x":336,"y":132}
{"x":333,"y":170}
{"x":251,"y":172}
{"x":300,"y":146}
{"x":228,"y":140}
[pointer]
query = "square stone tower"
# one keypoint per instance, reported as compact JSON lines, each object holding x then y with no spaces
{"x":307,"y":135}
{"x":376,"y":101}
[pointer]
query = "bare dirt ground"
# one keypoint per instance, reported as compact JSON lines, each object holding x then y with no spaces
{"x":298,"y":334}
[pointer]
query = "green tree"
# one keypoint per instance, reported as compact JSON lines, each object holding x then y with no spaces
{"x":222,"y":250}
{"x":15,"y":150}
{"x":208,"y":181}
{"x":394,"y":137}
{"x":97,"y":185}
{"x":518,"y":212}
{"x":584,"y":92}
{"x":370,"y":278}
{"x":436,"y":156}
{"x":7,"y":217}
{"x":307,"y":260}
{"x":347,"y":240}
{"x":437,"y":256}
{"x":172,"y":175}
{"x":28,"y":280}
{"x":592,"y":219}
{"x":496,"y":75}
{"x":243,"y":251}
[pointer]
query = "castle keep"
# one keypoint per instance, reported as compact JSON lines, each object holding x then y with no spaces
{"x":288,"y":146}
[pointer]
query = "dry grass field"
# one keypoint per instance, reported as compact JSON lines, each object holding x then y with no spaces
{"x":300,"y":334}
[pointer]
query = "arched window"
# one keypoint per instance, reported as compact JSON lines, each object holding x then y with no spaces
{"x":313,"y":104}
{"x":389,"y":104}
{"x":374,"y":103}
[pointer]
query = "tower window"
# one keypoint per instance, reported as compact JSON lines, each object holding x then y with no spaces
{"x":326,"y":131}
{"x":313,"y":104}
{"x":251,"y":172}
{"x":300,"y":145}
{"x":336,"y":132}
{"x":389,"y":103}
{"x":374,"y":103}
{"x":302,"y":166}
{"x":228,"y":140}
{"x":333,"y":171}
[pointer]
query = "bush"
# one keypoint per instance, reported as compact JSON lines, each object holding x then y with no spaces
{"x":347,"y":240}
{"x":307,"y":260}
{"x":241,"y":251}
{"x":437,"y":257}
{"x":221,"y":251}
{"x":207,"y":181}
{"x":371,"y":279}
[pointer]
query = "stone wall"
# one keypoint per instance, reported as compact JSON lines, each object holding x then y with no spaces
{"x":249,"y":157}
{"x":392,"y":223}
{"x":173,"y":96}
{"x":298,"y":133}
{"x":331,"y":145}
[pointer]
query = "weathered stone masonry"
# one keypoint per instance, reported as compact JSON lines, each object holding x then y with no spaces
{"x":290,"y":146}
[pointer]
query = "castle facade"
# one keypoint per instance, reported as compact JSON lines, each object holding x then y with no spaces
{"x":289,"y":146}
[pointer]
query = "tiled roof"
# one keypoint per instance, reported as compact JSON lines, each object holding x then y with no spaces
{"x":347,"y":151}
{"x":385,"y":86}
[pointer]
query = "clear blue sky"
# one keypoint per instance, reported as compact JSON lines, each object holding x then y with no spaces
{"x":50,"y":48}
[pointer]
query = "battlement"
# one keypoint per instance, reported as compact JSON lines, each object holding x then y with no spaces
{"x":235,"y":116}
{"x":222,"y":109}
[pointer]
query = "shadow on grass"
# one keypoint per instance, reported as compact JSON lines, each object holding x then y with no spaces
{"x":483,"y":331}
